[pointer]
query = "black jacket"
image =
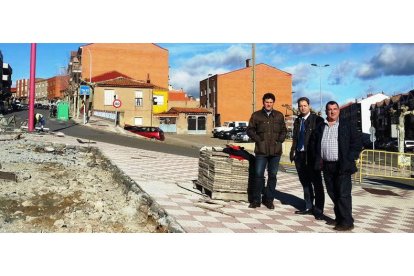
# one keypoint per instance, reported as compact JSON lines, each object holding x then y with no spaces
{"x":311,"y":123}
{"x":269,"y":132}
{"x":349,"y":146}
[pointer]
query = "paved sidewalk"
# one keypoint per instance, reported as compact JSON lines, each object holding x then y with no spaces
{"x":168,"y":179}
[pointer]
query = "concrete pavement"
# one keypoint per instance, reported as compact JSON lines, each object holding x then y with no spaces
{"x":168,"y":179}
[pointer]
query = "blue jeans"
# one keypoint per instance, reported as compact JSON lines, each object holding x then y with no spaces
{"x":269,"y":192}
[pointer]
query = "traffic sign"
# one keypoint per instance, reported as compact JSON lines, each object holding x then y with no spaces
{"x":84,"y":90}
{"x":372,"y":138}
{"x":372,"y":130}
{"x":117,"y":103}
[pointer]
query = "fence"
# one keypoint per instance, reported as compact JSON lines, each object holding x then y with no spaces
{"x":386,"y":164}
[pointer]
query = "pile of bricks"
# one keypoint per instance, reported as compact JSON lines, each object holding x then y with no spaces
{"x":222,"y":177}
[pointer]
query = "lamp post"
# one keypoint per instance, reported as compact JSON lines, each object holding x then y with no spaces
{"x":320,"y":82}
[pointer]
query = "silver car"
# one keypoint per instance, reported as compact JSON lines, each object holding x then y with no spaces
{"x":242,"y":137}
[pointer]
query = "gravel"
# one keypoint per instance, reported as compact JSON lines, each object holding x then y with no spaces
{"x":62,"y":188}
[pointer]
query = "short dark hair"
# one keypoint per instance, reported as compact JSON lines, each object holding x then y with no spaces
{"x":331,"y":103}
{"x":303,"y":99}
{"x":268,"y":96}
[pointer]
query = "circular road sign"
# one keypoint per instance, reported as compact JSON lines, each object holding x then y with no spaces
{"x":117,"y":103}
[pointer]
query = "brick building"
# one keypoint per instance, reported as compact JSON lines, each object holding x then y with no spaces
{"x":56,"y":87}
{"x":230,"y":94}
{"x":140,"y":61}
{"x":145,"y":62}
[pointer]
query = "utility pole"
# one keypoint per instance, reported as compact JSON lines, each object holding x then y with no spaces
{"x":254,"y":76}
{"x":32,"y":86}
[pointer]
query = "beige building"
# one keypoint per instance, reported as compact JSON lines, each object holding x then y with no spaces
{"x":41,"y":91}
{"x":186,"y":120}
{"x":136,"y":98}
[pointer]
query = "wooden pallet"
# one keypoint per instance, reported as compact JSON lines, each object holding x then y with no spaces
{"x":222,"y":195}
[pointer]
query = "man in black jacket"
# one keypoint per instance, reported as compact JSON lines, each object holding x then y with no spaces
{"x":304,"y":156}
{"x":338,"y":145}
{"x":268,"y":130}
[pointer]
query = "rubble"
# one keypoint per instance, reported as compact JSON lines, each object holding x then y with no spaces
{"x":62,"y":188}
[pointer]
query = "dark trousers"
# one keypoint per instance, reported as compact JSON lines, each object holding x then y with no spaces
{"x":339,"y":186}
{"x":311,"y":181}
{"x":269,"y":192}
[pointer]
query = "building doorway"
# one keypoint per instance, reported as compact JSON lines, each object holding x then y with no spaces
{"x":196,"y":124}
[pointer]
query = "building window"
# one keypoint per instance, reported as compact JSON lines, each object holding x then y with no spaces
{"x":109,"y":96}
{"x":138,"y":98}
{"x":138,"y":121}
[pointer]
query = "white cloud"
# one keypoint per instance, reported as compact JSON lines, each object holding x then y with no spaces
{"x":315,"y":49}
{"x":197,"y":68}
{"x":391,"y":60}
{"x":300,"y":73}
{"x":341,"y":72}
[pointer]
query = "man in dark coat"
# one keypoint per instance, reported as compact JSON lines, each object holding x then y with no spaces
{"x":338,"y":145}
{"x":268,"y":130}
{"x":304,"y":156}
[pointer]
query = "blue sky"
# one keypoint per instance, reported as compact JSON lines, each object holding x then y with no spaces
{"x":354,"y":71}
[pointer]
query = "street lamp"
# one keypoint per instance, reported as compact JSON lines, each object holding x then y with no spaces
{"x":320,"y":82}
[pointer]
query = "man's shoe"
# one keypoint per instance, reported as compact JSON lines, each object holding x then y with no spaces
{"x":340,"y":227}
{"x":331,"y":222}
{"x":269,"y":204}
{"x":319,"y":216}
{"x":304,"y":212}
{"x":254,"y":205}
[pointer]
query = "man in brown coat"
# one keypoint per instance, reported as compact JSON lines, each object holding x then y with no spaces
{"x":268,"y":130}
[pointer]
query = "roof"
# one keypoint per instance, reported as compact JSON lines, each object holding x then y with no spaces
{"x":177,"y":96}
{"x":188,"y":110}
{"x":126,"y":82}
{"x":108,"y":76}
{"x":260,"y":64}
{"x":346,"y":105}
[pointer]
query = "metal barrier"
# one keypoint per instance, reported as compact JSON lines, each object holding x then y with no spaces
{"x":386,"y":164}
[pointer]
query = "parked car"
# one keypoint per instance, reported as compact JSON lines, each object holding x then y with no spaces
{"x":242,"y":137}
{"x":228,"y":126}
{"x":231,"y":134}
{"x":409,"y":145}
{"x":147,"y":131}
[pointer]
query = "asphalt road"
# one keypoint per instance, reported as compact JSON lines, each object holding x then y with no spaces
{"x":71,"y":128}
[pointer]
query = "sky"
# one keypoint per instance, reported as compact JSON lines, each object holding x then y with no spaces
{"x":355,"y":69}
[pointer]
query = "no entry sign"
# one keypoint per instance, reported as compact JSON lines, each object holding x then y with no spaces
{"x":117,"y":103}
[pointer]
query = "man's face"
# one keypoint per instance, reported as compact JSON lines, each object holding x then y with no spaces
{"x":332,"y":112}
{"x":268,"y":104}
{"x":304,"y":108}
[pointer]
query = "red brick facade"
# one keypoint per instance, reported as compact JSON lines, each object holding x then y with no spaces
{"x":233,"y":91}
{"x":56,"y":86}
{"x":139,"y":61}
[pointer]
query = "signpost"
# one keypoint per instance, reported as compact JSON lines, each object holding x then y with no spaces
{"x":372,"y":137}
{"x":117,"y":104}
{"x":84,"y":90}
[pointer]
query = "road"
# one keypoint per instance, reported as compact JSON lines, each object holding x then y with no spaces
{"x":72,"y":128}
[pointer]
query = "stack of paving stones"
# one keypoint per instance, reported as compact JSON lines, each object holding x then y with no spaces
{"x":223,"y":177}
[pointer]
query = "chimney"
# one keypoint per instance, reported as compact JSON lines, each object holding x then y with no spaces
{"x":248,"y":62}
{"x":148,"y":78}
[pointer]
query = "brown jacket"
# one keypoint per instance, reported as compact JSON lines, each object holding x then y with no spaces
{"x":268,"y":132}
